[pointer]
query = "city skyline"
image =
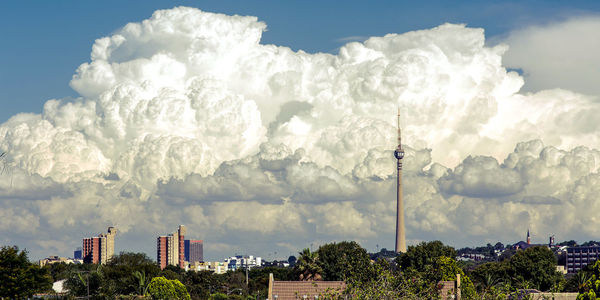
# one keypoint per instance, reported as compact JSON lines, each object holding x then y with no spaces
{"x":195,"y":115}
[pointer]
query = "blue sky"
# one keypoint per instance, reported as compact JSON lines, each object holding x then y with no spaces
{"x":43,"y":42}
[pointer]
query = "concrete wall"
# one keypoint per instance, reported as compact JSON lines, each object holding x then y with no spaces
{"x":554,"y":296}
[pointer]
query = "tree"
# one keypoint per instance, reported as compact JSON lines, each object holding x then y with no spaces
{"x":488,"y":276}
{"x":119,"y":274}
{"x":385,"y":284}
{"x":18,"y":277}
{"x":308,"y":266}
{"x":218,"y":296}
{"x":201,"y":284}
{"x":445,"y":268}
{"x":259,"y":278}
{"x":571,"y":243}
{"x":85,"y":278}
{"x":344,"y":261}
{"x":162,"y":288}
{"x":424,"y":254}
{"x":507,"y":254}
{"x":172,"y":272}
{"x":142,"y":282}
{"x":60,"y":271}
{"x":534,"y":267}
{"x":590,"y":243}
{"x":498,"y":246}
{"x":576,"y":282}
{"x":590,"y":290}
{"x":292,"y":260}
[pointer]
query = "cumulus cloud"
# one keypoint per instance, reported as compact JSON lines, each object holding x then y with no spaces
{"x":481,"y":177}
{"x":558,"y":55}
{"x":186,"y":118}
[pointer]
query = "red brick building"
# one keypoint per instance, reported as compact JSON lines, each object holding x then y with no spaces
{"x":170,"y":249}
{"x":99,"y":249}
{"x":91,"y":250}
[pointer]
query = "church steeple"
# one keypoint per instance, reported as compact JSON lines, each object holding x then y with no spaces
{"x":528,"y":237}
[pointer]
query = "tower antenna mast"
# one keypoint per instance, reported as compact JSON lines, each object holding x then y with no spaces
{"x":400,"y":233}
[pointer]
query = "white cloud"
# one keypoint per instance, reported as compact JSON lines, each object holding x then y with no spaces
{"x":558,"y":55}
{"x":187,"y":118}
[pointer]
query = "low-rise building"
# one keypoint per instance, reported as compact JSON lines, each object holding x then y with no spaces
{"x":243,"y":262}
{"x":217,"y":267}
{"x":56,"y":260}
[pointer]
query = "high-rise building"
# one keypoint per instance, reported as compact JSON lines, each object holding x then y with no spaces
{"x":194,"y":251}
{"x":77,"y":254}
{"x":99,"y":249}
{"x":170,"y":249}
{"x":400,"y":235}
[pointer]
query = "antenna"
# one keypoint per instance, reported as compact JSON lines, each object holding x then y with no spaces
{"x":399,"y":130}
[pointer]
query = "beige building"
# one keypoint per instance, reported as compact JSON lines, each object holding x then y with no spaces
{"x":217,"y":267}
{"x":58,"y":260}
{"x":107,"y":245}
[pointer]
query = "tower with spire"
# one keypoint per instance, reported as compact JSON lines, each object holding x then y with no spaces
{"x":400,"y":235}
{"x":528,"y":237}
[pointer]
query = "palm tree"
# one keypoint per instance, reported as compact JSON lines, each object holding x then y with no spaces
{"x":308,"y":265}
{"x":142,"y":282}
{"x":488,"y":283}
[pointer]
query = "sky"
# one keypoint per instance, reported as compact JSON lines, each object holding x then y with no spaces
{"x":268,"y":126}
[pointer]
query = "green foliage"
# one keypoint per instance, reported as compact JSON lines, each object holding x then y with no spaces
{"x":82,"y":276}
{"x":218,"y":296}
{"x":445,"y":268}
{"x":576,"y":282}
{"x":490,"y":278}
{"x":259,"y":278}
{"x":386,"y":284}
{"x":344,"y":261}
{"x":142,"y":281}
{"x":60,"y":271}
{"x":571,"y":243}
{"x":119,"y":274}
{"x":125,"y":274}
{"x":532,"y":268}
{"x":162,"y":288}
{"x":18,"y":277}
{"x":424,"y":254}
{"x":535,"y":268}
{"x":590,"y":290}
{"x":201,"y":284}
{"x":307,"y":265}
{"x":507,"y":254}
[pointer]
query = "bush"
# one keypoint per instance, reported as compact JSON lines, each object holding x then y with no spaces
{"x":162,"y":288}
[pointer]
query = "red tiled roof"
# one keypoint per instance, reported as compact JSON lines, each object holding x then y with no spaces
{"x":284,"y":290}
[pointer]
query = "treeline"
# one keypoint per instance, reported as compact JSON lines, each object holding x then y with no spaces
{"x":412,"y":275}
